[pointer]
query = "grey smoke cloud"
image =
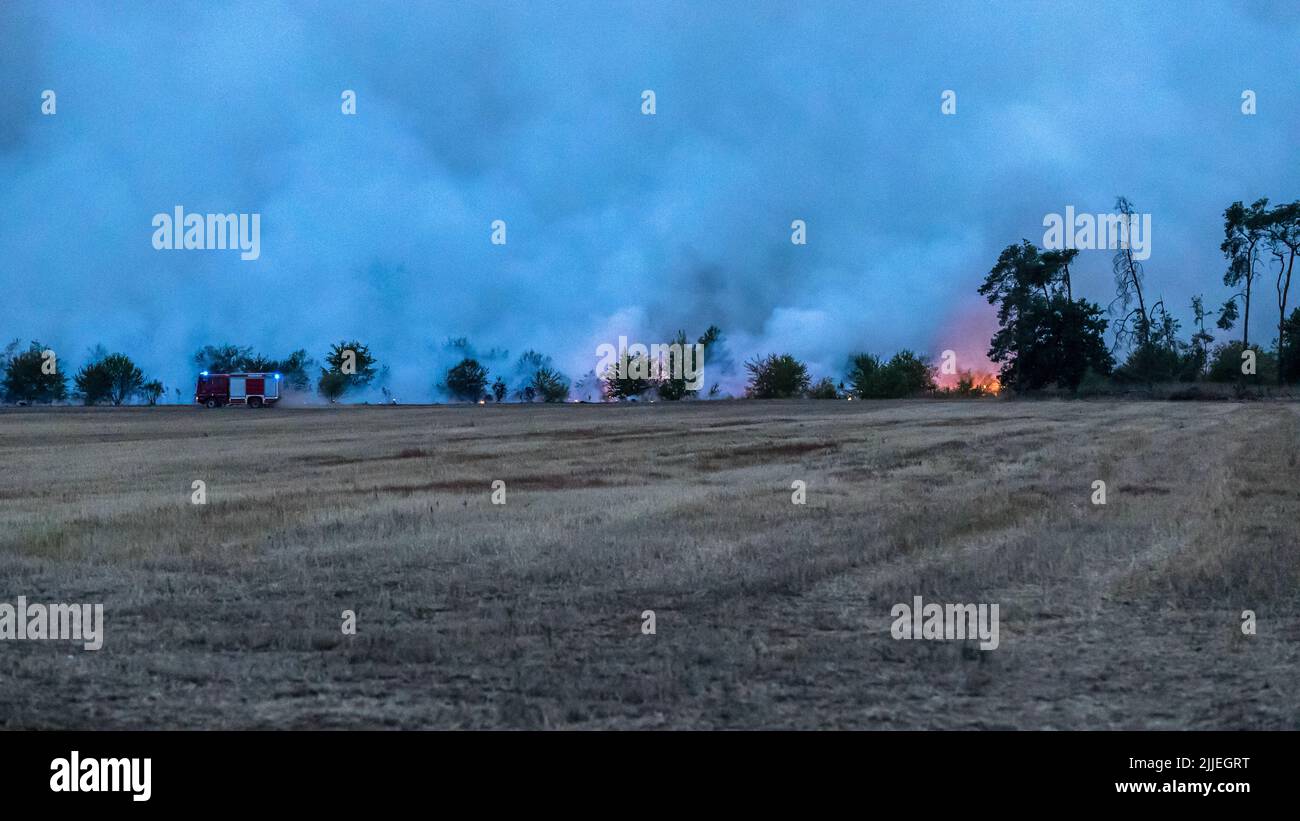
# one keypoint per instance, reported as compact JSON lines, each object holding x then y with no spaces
{"x":377,"y":226}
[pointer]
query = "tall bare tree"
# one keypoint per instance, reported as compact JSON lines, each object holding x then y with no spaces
{"x":1128,"y":284}
{"x":1284,"y":243}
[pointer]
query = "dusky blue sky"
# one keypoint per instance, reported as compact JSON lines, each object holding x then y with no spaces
{"x":377,"y":225}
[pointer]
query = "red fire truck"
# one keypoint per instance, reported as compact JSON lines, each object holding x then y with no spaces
{"x":255,"y":390}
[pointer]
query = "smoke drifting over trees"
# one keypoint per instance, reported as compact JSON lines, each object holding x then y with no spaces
{"x":377,"y":225}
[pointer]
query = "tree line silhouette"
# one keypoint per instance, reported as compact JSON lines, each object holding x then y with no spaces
{"x":1046,"y":338}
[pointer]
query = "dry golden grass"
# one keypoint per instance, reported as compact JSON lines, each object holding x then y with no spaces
{"x":768,"y":614}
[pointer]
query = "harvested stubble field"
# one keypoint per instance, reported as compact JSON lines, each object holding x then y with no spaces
{"x":768,"y":614}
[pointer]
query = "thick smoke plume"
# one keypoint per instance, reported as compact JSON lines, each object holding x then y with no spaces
{"x":376,"y":226}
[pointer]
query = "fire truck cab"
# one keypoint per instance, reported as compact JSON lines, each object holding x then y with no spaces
{"x":255,"y":390}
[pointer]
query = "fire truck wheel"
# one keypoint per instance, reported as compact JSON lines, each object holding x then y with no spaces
{"x":211,"y":403}
{"x":255,"y":402}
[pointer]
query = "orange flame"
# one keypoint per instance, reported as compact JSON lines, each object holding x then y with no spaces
{"x":977,"y":382}
{"x":986,"y":382}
